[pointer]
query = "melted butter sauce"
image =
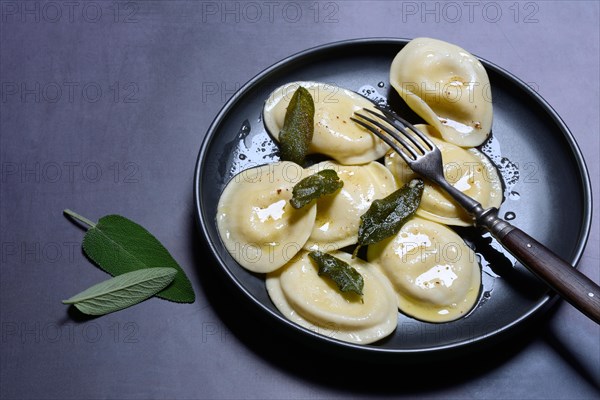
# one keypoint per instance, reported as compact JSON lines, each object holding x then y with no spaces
{"x":408,"y":242}
{"x":324,"y":227}
{"x":251,"y":148}
{"x":491,"y":255}
{"x":459,"y":127}
{"x":373,"y":94}
{"x":436,"y":276}
{"x":509,"y":171}
{"x":463,"y":183}
{"x":274,"y":211}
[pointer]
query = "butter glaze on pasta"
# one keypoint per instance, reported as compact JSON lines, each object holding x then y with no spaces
{"x":435,"y":275}
{"x":448,"y":87}
{"x":469,"y":170}
{"x":335,"y":134}
{"x":338,"y":215}
{"x":315,"y":303}
{"x":258,"y":226}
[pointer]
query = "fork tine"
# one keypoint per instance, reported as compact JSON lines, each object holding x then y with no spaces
{"x":406,"y":147}
{"x":396,"y":118}
{"x":383,"y":137}
{"x":395,"y":121}
{"x":401,"y":128}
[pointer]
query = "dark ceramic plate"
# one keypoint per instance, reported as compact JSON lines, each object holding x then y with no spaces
{"x":549,"y":197}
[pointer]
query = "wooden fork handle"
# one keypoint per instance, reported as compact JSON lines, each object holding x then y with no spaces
{"x":570,"y":283}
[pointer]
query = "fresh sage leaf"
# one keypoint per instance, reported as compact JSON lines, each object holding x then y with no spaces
{"x":118,"y":245}
{"x":298,"y":127}
{"x":315,"y":186}
{"x":345,"y":276}
{"x":386,"y":216}
{"x":122,"y":291}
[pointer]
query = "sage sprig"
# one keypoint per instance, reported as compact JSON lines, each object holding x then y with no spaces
{"x":385,"y":217}
{"x":343,"y":274}
{"x":298,"y":127}
{"x":122,"y":291}
{"x":315,"y":186}
{"x":119,"y":245}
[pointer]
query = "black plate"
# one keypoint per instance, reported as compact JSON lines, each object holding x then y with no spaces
{"x":554,"y":190}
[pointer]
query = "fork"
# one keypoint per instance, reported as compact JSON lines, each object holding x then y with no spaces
{"x":423,"y":157}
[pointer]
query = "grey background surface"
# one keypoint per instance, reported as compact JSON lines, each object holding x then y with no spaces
{"x":103,"y":109}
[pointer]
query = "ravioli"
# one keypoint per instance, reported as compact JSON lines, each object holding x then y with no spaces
{"x":338,"y":215}
{"x":316,"y":303}
{"x":335,"y":135}
{"x":446,"y":86}
{"x":258,"y":226}
{"x":468,"y":170}
{"x":435,"y":275}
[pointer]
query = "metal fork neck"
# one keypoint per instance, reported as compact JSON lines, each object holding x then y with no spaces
{"x":489,"y":219}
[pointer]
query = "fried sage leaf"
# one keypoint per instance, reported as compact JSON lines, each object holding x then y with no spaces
{"x":122,"y":291}
{"x":315,"y":186}
{"x":386,"y":216}
{"x":298,"y":127}
{"x":345,"y":277}
{"x":119,"y":245}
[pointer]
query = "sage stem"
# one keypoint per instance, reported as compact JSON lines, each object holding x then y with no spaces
{"x":79,"y":218}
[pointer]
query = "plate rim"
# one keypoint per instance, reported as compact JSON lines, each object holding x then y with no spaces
{"x":543,"y":303}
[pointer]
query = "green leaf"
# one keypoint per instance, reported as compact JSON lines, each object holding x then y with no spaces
{"x":122,"y":291}
{"x":298,"y":127}
{"x":119,"y":245}
{"x":345,"y":277}
{"x":315,"y":186}
{"x":385,"y":217}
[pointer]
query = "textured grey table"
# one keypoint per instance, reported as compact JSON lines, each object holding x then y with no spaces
{"x":103,"y":109}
